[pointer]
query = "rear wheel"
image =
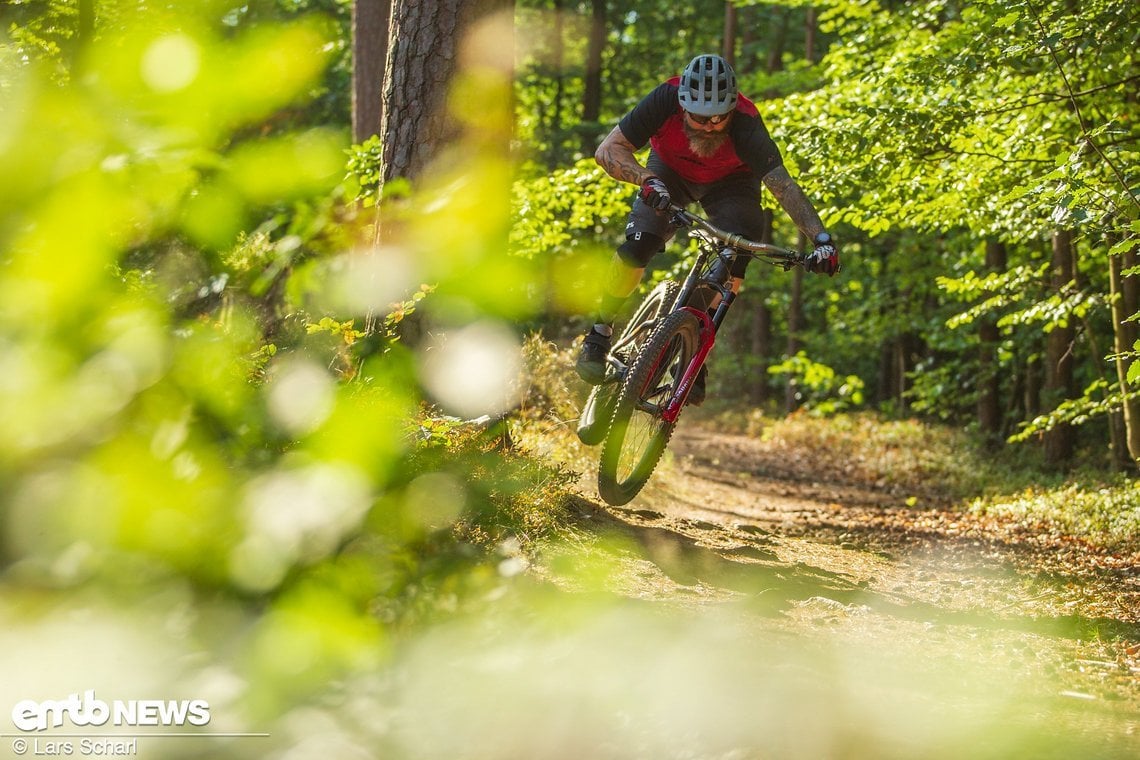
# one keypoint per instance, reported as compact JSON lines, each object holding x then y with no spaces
{"x":637,"y":432}
{"x":594,"y":421}
{"x":653,"y":308}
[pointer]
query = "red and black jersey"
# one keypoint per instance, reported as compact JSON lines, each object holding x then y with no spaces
{"x":657,"y":120}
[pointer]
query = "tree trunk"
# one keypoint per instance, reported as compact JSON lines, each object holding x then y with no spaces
{"x":898,"y":367}
{"x":1031,"y":399}
{"x":1124,"y":300}
{"x":1059,"y":379}
{"x":809,"y":35}
{"x":883,"y":386}
{"x":762,"y":349}
{"x":989,"y":382}
{"x":592,"y":90}
{"x":423,"y":52}
{"x":746,"y":23}
{"x":422,"y":49}
{"x":729,"y":42}
{"x":84,"y":34}
{"x":369,"y":51}
{"x":558,"y":62}
{"x":795,"y":325}
{"x":761,"y":343}
{"x":778,"y":40}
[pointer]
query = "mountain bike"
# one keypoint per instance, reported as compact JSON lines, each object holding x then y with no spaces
{"x":658,"y":354}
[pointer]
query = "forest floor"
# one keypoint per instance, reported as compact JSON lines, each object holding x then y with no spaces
{"x":890,"y":625}
{"x":756,"y":601}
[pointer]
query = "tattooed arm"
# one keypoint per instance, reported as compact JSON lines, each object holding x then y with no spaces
{"x":615,"y":155}
{"x":792,"y":199}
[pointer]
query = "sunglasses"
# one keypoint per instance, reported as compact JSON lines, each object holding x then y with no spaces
{"x":702,"y":120}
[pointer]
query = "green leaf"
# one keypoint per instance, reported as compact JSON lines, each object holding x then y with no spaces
{"x":1007,"y":20}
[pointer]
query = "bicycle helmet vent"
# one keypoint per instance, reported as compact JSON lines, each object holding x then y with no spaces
{"x":708,"y":86}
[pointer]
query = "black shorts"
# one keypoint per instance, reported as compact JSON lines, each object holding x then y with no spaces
{"x":733,"y":204}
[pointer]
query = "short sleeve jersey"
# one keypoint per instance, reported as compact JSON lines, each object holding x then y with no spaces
{"x":657,"y":120}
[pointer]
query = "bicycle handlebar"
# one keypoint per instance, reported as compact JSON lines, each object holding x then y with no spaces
{"x":774,"y":253}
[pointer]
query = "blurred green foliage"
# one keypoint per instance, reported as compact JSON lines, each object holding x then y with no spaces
{"x":208,"y":410}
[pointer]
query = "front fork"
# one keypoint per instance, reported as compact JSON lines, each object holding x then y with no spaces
{"x":706,"y":339}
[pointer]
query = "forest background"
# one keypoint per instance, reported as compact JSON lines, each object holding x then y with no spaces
{"x":232,"y":440}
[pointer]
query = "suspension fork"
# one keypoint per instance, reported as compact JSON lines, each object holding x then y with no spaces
{"x":706,"y":339}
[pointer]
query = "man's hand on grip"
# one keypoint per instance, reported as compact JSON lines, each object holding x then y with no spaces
{"x":655,"y":194}
{"x":825,"y":258}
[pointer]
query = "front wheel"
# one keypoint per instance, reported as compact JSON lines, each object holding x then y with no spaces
{"x":594,"y":422}
{"x":637,"y":433}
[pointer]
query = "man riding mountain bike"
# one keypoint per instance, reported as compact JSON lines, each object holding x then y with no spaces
{"x":708,"y":145}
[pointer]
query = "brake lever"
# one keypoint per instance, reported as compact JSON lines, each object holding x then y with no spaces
{"x":679,"y":217}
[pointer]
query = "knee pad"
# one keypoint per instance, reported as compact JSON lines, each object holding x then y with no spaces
{"x":639,"y":248}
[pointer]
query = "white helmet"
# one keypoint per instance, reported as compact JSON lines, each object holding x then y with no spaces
{"x":708,"y":86}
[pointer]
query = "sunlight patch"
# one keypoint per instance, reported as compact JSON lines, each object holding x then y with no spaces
{"x":296,"y":516}
{"x":171,"y":63}
{"x":475,"y":370}
{"x":301,"y":397}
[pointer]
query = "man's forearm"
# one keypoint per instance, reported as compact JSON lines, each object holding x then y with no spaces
{"x":615,"y":155}
{"x":792,"y":199}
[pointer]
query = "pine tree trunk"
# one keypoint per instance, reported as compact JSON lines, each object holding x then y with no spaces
{"x":423,"y":53}
{"x":421,"y":61}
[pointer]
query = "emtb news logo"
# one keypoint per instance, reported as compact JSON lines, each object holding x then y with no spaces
{"x":29,"y":715}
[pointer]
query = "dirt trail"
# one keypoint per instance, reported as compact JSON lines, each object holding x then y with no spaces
{"x":959,"y":607}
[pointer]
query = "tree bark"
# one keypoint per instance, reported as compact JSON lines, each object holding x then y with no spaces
{"x":369,"y":51}
{"x":423,"y":53}
{"x":421,"y":60}
{"x":1060,"y":442}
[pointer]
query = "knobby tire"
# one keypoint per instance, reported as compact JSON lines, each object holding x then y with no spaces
{"x":594,"y":422}
{"x":637,"y":434}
